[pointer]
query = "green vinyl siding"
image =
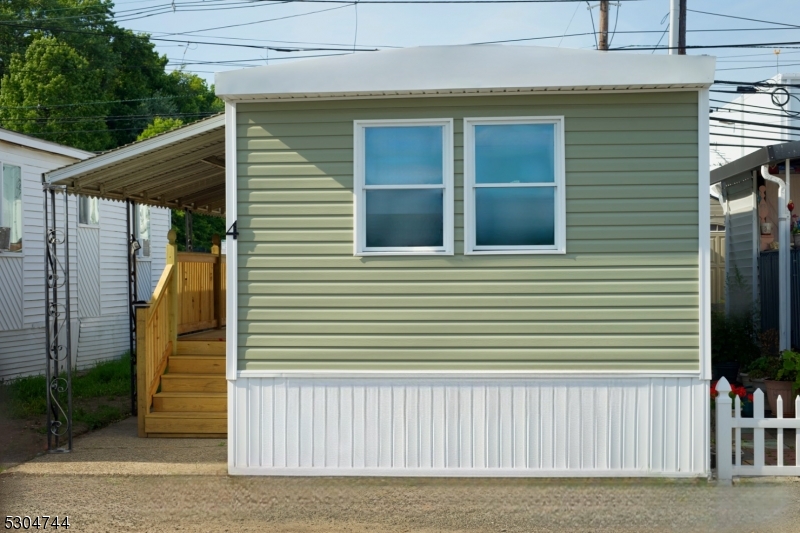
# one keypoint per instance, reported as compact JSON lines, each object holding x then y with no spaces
{"x":624,"y":297}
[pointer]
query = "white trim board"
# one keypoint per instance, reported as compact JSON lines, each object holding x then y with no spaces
{"x":465,"y":374}
{"x":704,"y":217}
{"x":232,"y":250}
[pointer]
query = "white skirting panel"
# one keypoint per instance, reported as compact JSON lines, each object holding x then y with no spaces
{"x":468,"y":427}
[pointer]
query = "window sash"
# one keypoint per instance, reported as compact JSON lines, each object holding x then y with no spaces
{"x":11,"y":209}
{"x":360,"y":189}
{"x":89,"y":211}
{"x":471,"y":185}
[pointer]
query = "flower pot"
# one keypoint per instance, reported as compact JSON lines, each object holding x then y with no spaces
{"x":758,"y":384}
{"x":747,"y":409}
{"x":784,"y":390}
{"x":796,"y":239}
{"x":766,"y":228}
{"x":744,"y":379}
{"x":729,"y":371}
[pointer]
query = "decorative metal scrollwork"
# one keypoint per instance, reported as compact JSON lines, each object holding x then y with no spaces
{"x":58,"y":334}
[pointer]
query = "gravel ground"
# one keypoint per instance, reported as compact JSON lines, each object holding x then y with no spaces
{"x":116,"y":482}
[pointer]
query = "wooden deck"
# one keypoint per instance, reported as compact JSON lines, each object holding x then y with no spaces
{"x":208,"y":335}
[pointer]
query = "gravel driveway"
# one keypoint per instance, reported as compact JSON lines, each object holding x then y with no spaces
{"x":114,"y":481}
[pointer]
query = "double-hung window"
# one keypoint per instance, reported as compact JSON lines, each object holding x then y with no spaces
{"x":89,"y":210}
{"x":514,"y":185}
{"x":403,"y":187}
{"x":11,"y":207}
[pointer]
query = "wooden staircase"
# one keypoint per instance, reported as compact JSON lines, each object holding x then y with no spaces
{"x":192,"y":398}
{"x":181,"y":386}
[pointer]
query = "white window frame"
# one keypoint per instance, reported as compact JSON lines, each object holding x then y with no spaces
{"x":560,"y":241}
{"x":15,"y":253}
{"x":90,"y":199}
{"x":360,"y":187}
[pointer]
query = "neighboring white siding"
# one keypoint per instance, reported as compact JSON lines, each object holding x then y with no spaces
{"x":102,"y":338}
{"x":556,"y":426}
{"x":89,"y":278}
{"x":114,"y":247}
{"x":740,"y":229}
{"x":10,"y":292}
{"x":98,"y":274}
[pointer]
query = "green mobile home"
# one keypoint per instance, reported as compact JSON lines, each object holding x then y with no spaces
{"x":469,"y":260}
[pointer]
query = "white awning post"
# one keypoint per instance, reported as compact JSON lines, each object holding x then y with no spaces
{"x":784,"y":259}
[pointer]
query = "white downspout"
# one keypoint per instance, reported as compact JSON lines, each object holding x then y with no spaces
{"x":784,"y":258}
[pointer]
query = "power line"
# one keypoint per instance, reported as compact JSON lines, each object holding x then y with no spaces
{"x":760,"y":124}
{"x":744,"y":18}
{"x":698,"y":47}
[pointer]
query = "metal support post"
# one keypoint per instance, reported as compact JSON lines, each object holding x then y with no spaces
{"x":58,"y":335}
{"x":133,"y":246}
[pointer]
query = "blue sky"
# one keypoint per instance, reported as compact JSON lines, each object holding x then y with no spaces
{"x":403,"y":25}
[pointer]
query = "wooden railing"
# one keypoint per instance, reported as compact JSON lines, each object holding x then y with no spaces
{"x":201,"y":290}
{"x":190,"y":296}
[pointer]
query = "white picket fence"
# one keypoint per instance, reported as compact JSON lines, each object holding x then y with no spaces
{"x":729,"y":420}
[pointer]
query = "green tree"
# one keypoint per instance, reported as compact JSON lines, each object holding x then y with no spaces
{"x":129,"y":75}
{"x":159,"y":125}
{"x":203,"y":227}
{"x":39,"y":94}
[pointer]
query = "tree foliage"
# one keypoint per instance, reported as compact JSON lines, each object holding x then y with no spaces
{"x":59,"y":58}
{"x":159,"y":125}
{"x":203,"y":227}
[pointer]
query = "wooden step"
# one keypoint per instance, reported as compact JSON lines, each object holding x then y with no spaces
{"x":193,"y":382}
{"x":197,"y":364}
{"x":189,"y":423}
{"x":190,"y":401}
{"x":201,"y":347}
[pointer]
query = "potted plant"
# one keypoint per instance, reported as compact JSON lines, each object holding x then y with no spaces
{"x":745,"y":397}
{"x":785,"y":384}
{"x":762,"y":368}
{"x":796,"y":236}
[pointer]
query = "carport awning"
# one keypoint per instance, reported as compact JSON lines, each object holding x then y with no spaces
{"x":180,"y":169}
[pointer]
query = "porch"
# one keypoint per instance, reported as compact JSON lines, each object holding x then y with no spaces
{"x":180,"y":347}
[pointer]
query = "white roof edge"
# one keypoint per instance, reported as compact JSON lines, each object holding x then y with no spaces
{"x":136,"y":149}
{"x":40,"y":144}
{"x":463,"y":69}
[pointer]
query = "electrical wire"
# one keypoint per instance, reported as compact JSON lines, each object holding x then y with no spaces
{"x":744,"y":18}
{"x":591,"y":16}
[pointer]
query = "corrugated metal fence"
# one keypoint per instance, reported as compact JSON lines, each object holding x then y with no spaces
{"x":768,"y":284}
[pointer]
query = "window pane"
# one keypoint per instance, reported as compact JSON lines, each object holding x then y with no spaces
{"x":144,"y":229}
{"x":94,"y":211}
{"x":515,"y":153}
{"x":403,"y":155}
{"x":12,"y":205}
{"x":515,"y":216}
{"x":405,"y":218}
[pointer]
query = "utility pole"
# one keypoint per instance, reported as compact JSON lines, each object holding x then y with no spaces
{"x":602,"y":41}
{"x":682,"y":28}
